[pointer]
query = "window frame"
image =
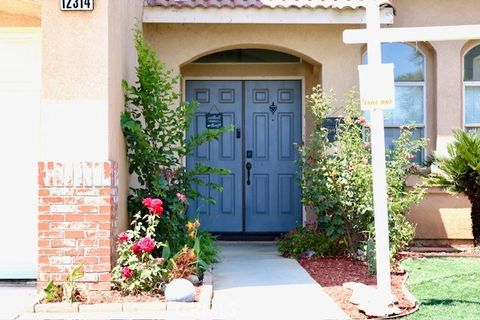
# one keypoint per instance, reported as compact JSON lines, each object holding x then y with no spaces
{"x":465,"y":84}
{"x":413,"y":83}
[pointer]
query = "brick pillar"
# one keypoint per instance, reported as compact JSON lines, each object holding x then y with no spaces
{"x":77,"y":214}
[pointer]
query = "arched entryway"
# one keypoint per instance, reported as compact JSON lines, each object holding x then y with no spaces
{"x":260,"y":92}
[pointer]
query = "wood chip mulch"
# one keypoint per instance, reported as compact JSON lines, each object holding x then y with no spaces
{"x":113,"y":296}
{"x":332,"y":272}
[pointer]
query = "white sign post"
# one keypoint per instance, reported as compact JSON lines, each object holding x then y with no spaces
{"x":377,"y":100}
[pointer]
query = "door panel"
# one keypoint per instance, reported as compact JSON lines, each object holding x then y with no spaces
{"x":265,"y":198}
{"x":272,"y":200}
{"x":226,"y":214}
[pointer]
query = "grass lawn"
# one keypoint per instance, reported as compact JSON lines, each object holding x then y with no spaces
{"x":447,"y":288}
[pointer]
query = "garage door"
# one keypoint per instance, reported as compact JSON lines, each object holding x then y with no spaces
{"x":19,"y":127}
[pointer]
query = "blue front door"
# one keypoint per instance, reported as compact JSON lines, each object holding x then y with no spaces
{"x":261,"y":193}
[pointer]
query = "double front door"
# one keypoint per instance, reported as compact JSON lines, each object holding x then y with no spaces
{"x":261,"y":193}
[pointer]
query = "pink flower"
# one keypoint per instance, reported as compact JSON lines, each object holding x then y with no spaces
{"x":127,"y":272}
{"x":361,"y":120}
{"x":136,"y":248}
{"x":146,"y":244}
{"x":154,"y":206}
{"x":123,"y":237}
{"x":181,"y":197}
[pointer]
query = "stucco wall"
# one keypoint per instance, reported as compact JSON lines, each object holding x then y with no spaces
{"x":440,"y":215}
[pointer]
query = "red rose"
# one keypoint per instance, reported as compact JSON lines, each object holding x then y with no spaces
{"x":154,"y":206}
{"x":136,"y":248}
{"x":146,"y":244}
{"x":123,"y":237}
{"x":127,"y":272}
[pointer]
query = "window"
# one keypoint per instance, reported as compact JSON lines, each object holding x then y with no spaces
{"x":471,"y":87}
{"x":248,"y":56}
{"x":409,"y":73}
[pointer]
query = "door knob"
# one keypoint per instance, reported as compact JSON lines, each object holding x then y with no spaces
{"x":248,"y":166}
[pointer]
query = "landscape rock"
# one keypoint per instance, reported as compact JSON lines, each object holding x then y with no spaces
{"x":180,"y":290}
{"x":371,"y":301}
{"x":193,"y":279}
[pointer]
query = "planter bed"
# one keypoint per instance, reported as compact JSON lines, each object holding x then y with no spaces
{"x":113,"y":301}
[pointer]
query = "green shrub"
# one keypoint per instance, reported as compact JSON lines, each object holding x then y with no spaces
{"x":301,"y":240}
{"x":154,"y":124}
{"x":336,"y":176}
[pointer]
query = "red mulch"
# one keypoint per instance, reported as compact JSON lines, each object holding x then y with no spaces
{"x":114,"y":296}
{"x":332,"y":272}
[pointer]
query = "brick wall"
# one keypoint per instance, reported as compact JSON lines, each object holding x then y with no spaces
{"x":77,"y":214}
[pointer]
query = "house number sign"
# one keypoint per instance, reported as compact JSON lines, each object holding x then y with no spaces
{"x":76,"y":5}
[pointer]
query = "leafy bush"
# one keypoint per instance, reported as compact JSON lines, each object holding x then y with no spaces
{"x":304,"y":240}
{"x":141,"y":266}
{"x":69,"y":290}
{"x":336,"y":176}
{"x":460,"y":173}
{"x":154,"y":125}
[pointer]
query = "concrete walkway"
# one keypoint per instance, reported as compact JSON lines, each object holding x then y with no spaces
{"x":253,"y":281}
{"x":14,"y":298}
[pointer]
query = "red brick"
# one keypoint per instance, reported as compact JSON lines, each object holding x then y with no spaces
{"x":71,"y":217}
{"x":74,"y":252}
{"x":74,"y":234}
{"x":105,"y":259}
{"x":87,"y":243}
{"x":104,"y":242}
{"x":98,"y":217}
{"x":51,"y":200}
{"x":43,"y":243}
{"x":98,"y":252}
{"x":98,"y":234}
{"x":51,"y":269}
{"x":43,"y":192}
{"x":70,"y":200}
{"x":106,"y":209}
{"x":43,"y":259}
{"x":51,"y":217}
{"x":87,"y":208}
{"x":98,"y":268}
{"x":51,"y":234}
{"x":86,"y":192}
{"x":43,"y":208}
{"x":42,"y":226}
{"x":88,"y":260}
{"x":50,"y":251}
{"x":65,"y":243}
{"x":105,"y":277}
{"x":105,"y":226}
{"x":105,"y":191}
{"x":41,"y":174}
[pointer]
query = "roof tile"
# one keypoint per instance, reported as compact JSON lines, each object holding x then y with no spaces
{"x":336,"y":4}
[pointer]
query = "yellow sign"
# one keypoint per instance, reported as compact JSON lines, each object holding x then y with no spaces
{"x":377,"y":89}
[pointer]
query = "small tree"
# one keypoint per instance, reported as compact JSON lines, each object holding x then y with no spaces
{"x":460,"y":173}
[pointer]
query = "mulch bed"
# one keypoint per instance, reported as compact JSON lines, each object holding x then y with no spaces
{"x":114,"y":296}
{"x":332,"y":272}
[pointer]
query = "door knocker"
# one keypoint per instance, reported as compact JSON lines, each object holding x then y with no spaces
{"x":273,"y":108}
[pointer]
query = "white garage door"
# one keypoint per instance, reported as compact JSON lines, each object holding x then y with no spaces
{"x":19,"y":127}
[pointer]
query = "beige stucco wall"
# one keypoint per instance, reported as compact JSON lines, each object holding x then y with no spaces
{"x":86,"y":55}
{"x":440,"y":215}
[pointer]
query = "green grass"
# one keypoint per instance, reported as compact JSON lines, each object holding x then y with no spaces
{"x":447,"y":288}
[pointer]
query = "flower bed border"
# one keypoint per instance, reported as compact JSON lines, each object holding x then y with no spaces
{"x":204,"y":303}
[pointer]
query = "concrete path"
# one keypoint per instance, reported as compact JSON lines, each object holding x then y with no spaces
{"x":14,"y":298}
{"x":253,"y":281}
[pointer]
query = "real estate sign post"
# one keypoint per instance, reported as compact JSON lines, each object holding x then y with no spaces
{"x":376,"y":94}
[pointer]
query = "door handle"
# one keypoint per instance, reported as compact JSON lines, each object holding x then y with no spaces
{"x":248,"y":167}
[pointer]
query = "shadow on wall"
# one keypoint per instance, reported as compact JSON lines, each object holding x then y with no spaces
{"x":442,"y":219}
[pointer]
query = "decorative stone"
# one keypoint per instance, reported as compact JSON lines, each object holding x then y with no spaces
{"x":194,"y":280}
{"x":371,"y":301}
{"x":180,"y":290}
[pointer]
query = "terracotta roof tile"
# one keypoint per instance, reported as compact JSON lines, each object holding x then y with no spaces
{"x":336,"y":4}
